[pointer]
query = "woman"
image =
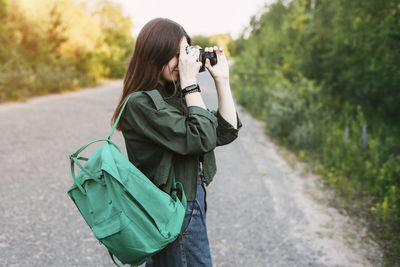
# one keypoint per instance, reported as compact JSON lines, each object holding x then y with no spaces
{"x":173,"y":134}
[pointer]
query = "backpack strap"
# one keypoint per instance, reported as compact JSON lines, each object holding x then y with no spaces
{"x":154,"y":95}
{"x":112,"y":257}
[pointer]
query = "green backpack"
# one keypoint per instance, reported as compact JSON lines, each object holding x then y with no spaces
{"x":127,"y":213}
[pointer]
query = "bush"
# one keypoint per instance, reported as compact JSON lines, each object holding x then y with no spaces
{"x":296,"y":113}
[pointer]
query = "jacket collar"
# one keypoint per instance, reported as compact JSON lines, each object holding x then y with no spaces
{"x":164,"y":93}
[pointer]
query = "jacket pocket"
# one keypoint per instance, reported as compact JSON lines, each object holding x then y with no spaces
{"x":164,"y":170}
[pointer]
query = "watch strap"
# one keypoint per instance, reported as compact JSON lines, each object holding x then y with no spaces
{"x":190,"y":89}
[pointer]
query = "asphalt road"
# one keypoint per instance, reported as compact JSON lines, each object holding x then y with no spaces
{"x":258,"y":212}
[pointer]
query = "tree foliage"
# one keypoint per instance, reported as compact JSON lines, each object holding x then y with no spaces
{"x":325,"y":75}
{"x":51,"y":45}
{"x":117,"y":40}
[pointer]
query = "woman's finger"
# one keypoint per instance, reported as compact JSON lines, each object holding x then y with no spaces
{"x":182,"y":49}
{"x":220,"y":53}
{"x":208,"y":65}
{"x":196,"y":54}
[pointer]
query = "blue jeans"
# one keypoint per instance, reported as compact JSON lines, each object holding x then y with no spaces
{"x":191,"y":248}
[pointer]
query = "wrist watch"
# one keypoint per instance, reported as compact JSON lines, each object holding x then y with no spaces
{"x":191,"y":89}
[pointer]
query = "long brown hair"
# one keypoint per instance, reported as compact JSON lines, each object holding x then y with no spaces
{"x":156,"y":44}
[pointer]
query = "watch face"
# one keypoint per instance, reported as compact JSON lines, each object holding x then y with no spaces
{"x":191,"y":87}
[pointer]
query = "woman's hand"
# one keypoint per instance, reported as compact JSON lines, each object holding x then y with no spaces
{"x":220,"y":71}
{"x":188,"y":65}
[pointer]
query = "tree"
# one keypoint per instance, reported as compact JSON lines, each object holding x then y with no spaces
{"x":118,"y":41}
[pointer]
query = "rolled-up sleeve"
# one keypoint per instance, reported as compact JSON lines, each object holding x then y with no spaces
{"x":170,"y":128}
{"x":226,"y":133}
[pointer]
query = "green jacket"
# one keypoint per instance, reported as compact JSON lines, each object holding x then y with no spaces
{"x":162,"y":142}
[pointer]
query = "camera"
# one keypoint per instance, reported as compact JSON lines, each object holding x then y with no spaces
{"x":212,"y":56}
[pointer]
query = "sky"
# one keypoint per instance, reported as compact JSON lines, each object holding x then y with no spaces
{"x":206,"y":17}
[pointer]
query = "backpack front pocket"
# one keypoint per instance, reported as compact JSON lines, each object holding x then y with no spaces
{"x":112,"y":225}
{"x":129,"y":240}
